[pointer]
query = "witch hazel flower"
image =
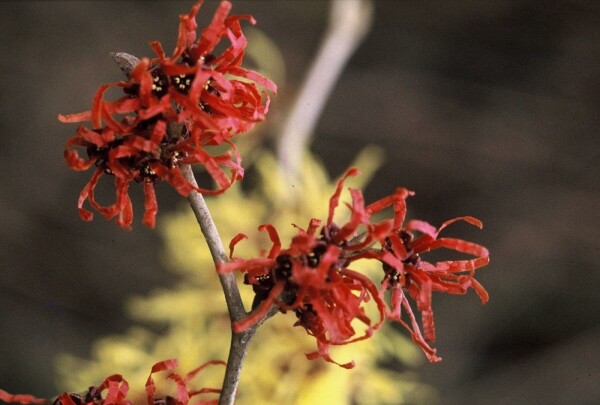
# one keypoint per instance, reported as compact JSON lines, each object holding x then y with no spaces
{"x":116,"y":389}
{"x":213,"y":91}
{"x":407,"y":274}
{"x":313,"y":278}
{"x":175,"y":109}
{"x":115,"y":386}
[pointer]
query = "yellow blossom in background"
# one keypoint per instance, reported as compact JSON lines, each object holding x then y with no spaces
{"x":195,"y":327}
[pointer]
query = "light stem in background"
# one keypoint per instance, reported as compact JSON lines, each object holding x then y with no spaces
{"x":349,"y":22}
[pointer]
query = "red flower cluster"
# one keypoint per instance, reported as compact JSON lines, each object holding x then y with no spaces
{"x":116,"y":388}
{"x":173,"y":110}
{"x":312,"y":277}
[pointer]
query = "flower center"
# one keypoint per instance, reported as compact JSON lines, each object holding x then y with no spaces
{"x":182,"y":83}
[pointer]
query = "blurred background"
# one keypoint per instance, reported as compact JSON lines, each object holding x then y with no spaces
{"x":484,"y":108}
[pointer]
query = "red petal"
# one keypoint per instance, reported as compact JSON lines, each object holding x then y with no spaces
{"x":117,"y":389}
{"x":359,"y":216}
{"x":153,"y":109}
{"x":201,"y":77}
{"x":255,"y":77}
{"x":256,"y":315}
{"x":74,"y":161}
{"x":189,"y":376}
{"x":158,"y":49}
{"x":21,"y":398}
{"x":335,"y":198}
{"x":235,"y":241}
{"x":85,"y":194}
{"x":274,"y":236}
{"x":471,"y":220}
{"x":415,"y":332}
{"x":213,"y":169}
{"x":164,"y":365}
{"x":150,"y":205}
{"x":481,"y":292}
{"x":312,"y":226}
{"x":79,"y":117}
{"x":182,"y":392}
{"x":400,"y":197}
{"x":423,"y":227}
{"x":65,"y":399}
{"x":96,"y":113}
{"x":428,"y":325}
{"x":323,"y":352}
{"x":123,"y":205}
{"x":244,"y":265}
{"x":459,"y":245}
{"x":212,"y":34}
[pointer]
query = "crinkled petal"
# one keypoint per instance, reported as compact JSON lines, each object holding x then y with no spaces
{"x":85,"y":193}
{"x":150,"y":205}
{"x":255,"y":316}
{"x":213,"y":33}
{"x":274,"y":236}
{"x":117,"y":388}
{"x":237,"y":238}
{"x":165,"y":365}
{"x":21,"y":398}
{"x":359,"y":217}
{"x":335,"y":198}
{"x":79,"y":117}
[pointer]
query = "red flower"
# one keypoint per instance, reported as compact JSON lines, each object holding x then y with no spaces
{"x":115,"y":385}
{"x":174,"y":110}
{"x":406,"y":272}
{"x":312,"y":278}
{"x":183,"y":394}
{"x":116,"y":388}
{"x":207,"y":87}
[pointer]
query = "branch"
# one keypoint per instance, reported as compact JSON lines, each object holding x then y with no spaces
{"x":239,"y":341}
{"x":349,"y":22}
{"x":213,"y":240}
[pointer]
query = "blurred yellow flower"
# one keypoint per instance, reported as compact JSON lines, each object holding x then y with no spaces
{"x":196,"y":325}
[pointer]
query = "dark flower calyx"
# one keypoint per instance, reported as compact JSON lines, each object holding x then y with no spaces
{"x":91,"y":396}
{"x":191,"y":57}
{"x":283,"y":271}
{"x":160,"y":84}
{"x":406,"y":237}
{"x":314,"y":258}
{"x":182,"y":83}
{"x":412,"y":259}
{"x":395,"y":277}
{"x":165,"y":401}
{"x":304,"y":310}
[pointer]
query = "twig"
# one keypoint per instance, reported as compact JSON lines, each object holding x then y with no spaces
{"x":239,"y":341}
{"x":349,"y":23}
{"x":213,"y":240}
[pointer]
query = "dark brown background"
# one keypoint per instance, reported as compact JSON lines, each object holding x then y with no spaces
{"x":488,"y":108}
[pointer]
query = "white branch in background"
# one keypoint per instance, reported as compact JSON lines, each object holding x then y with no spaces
{"x":349,"y":22}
